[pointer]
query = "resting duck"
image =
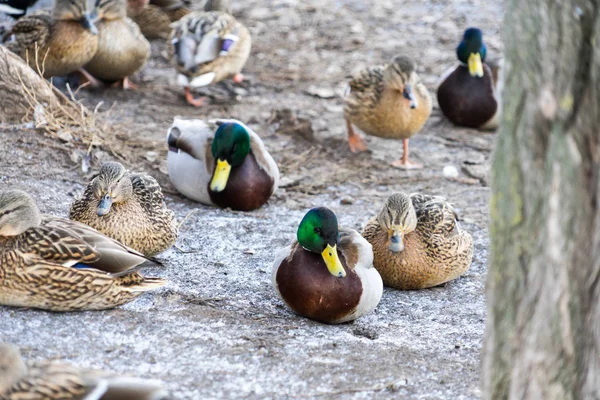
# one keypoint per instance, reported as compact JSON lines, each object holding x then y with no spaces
{"x":55,"y":381}
{"x":56,"y":264}
{"x":417,"y":242}
{"x":154,"y":17}
{"x":16,"y":8}
{"x":469,"y":95}
{"x":327,"y":274}
{"x":230,"y":167}
{"x":127,"y":207}
{"x":122,"y":49}
{"x":65,"y":39}
{"x":387,"y":101}
{"x":209,"y":47}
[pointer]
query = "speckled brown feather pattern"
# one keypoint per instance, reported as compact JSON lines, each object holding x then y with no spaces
{"x":201,"y":23}
{"x":48,"y":381}
{"x":436,"y":252}
{"x":142,"y":223}
{"x":65,"y":45}
{"x":382,"y":111}
{"x":35,"y":271}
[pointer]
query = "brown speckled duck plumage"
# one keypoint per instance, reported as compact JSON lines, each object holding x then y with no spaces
{"x":55,"y":43}
{"x":136,"y":216}
{"x":57,"y":381}
{"x":435,"y":248}
{"x":155,"y":17}
{"x":57,"y":264}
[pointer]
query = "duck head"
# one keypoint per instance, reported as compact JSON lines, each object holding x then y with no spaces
{"x":111,"y":186}
{"x":398,"y":218}
{"x":76,"y":10}
{"x":472,"y":51}
{"x":400,"y":74}
{"x":230,"y":147}
{"x":18,"y":213}
{"x":318,"y":233}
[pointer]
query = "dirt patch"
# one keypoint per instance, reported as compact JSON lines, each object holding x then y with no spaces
{"x":218,"y":330}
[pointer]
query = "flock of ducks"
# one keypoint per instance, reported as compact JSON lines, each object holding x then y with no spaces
{"x":91,"y":261}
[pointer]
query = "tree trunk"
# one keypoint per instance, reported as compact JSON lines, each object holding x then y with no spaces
{"x":543,"y":328}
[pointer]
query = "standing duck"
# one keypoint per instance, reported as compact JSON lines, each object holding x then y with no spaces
{"x":469,"y":94}
{"x":223,"y":163}
{"x":56,"y":264}
{"x":55,"y":381}
{"x":122,"y":49}
{"x":327,"y":274}
{"x":417,"y":242}
{"x":387,"y":101}
{"x":154,"y":17}
{"x":65,"y":39}
{"x":209,"y":47}
{"x":127,"y":207}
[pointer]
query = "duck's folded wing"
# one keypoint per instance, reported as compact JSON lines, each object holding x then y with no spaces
{"x":356,"y":250}
{"x":110,"y":255}
{"x":437,"y":217}
{"x":29,"y":30}
{"x":148,"y":192}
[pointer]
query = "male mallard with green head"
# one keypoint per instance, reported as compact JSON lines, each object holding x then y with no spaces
{"x":56,"y":264}
{"x":56,"y":381}
{"x":469,"y":95}
{"x":127,"y":207}
{"x":209,"y":47}
{"x":327,"y":274}
{"x":387,"y":101}
{"x":417,"y":242}
{"x":225,"y":163}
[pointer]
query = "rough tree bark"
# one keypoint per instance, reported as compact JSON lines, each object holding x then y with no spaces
{"x":543,"y":328}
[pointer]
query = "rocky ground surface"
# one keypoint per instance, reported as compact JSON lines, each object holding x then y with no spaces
{"x":217,"y":330}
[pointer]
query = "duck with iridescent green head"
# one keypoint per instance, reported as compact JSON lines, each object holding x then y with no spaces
{"x":469,"y":94}
{"x":327,"y":274}
{"x":221,"y":162}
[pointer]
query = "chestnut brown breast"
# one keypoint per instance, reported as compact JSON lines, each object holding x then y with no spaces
{"x":467,"y":100}
{"x":248,"y":187}
{"x":310,"y":290}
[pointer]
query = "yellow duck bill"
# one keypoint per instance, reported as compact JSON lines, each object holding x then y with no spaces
{"x":220,"y":176}
{"x":475,"y":65}
{"x":332,"y":261}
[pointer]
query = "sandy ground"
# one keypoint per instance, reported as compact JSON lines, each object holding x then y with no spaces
{"x":217,"y":330}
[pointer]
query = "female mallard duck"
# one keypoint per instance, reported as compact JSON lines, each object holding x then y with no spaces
{"x":155,"y":16}
{"x":56,"y":43}
{"x":387,"y":101}
{"x":122,"y":49}
{"x":56,"y":264}
{"x":417,"y":242}
{"x":469,"y":94}
{"x":327,"y":274}
{"x":209,"y":47}
{"x":127,"y":207}
{"x":54,"y":381}
{"x":230,"y":167}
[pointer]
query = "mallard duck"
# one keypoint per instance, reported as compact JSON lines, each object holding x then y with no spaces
{"x":230,"y":167}
{"x":65,"y":39}
{"x":387,"y":101}
{"x":209,"y":47}
{"x":417,"y":242}
{"x":327,"y":274}
{"x":155,"y":17}
{"x":127,"y":207}
{"x":56,"y":264}
{"x":122,"y":49}
{"x":55,"y":381}
{"x":469,"y":93}
{"x":16,"y":8}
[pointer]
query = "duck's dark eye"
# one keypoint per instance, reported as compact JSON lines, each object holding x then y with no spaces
{"x":318,"y":231}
